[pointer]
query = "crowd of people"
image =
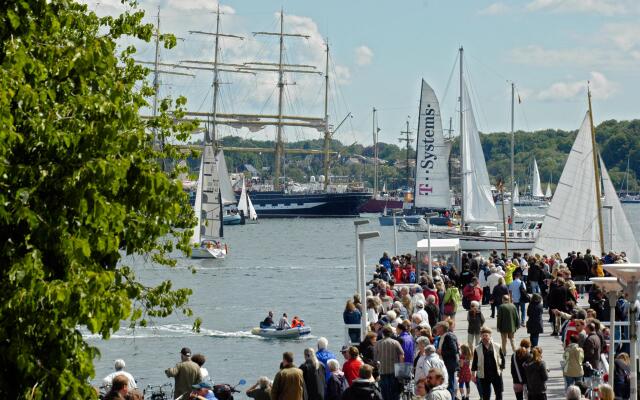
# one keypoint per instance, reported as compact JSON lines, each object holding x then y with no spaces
{"x":414,"y":324}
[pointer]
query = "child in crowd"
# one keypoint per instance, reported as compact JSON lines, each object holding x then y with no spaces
{"x":464,"y":374}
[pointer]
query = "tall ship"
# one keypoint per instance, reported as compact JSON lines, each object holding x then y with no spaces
{"x":279,"y":198}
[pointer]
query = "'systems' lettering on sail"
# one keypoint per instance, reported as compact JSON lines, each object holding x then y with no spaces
{"x":428,"y":159}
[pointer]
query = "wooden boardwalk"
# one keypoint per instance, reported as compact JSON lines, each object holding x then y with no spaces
{"x":551,"y":353}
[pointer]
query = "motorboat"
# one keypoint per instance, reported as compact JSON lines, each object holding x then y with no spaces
{"x":273,"y":333}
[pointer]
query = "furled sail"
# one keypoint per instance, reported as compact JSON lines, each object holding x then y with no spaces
{"x":618,"y":235}
{"x":478,"y":205}
{"x":195,"y":238}
{"x":571,"y":221}
{"x":536,"y":186}
{"x":432,"y":155}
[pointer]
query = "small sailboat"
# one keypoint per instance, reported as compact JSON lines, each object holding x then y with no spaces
{"x":246,"y":206}
{"x":548,"y":193}
{"x":574,"y":220}
{"x":536,"y":186}
{"x":207,"y":235}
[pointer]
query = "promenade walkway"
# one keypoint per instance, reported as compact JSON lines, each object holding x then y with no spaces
{"x":551,"y":352}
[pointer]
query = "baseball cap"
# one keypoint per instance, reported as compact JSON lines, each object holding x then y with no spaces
{"x":186,"y":351}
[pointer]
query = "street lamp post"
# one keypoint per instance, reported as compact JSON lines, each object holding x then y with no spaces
{"x":611,"y":286}
{"x":357,"y":224}
{"x":395,"y":211}
{"x":429,"y":216}
{"x":363,"y":285}
{"x":629,"y":277}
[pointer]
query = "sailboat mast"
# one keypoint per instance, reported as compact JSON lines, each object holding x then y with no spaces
{"x":596,"y":170}
{"x":462,"y":149}
{"x":216,"y":82}
{"x":279,"y":145}
{"x":375,"y":154}
{"x":327,"y":133}
{"x":407,"y":139}
{"x":513,"y":141}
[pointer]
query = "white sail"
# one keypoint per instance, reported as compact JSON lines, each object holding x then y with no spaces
{"x":536,"y":186}
{"x":432,"y":155}
{"x":226,"y":189}
{"x":571,"y":221}
{"x":515,"y":197}
{"x":211,"y":207}
{"x":245,"y":205}
{"x":618,"y":235}
{"x":548,"y":194}
{"x":195,"y":238}
{"x":478,"y":205}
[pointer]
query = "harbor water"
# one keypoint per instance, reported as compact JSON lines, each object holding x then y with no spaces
{"x":303,"y":267}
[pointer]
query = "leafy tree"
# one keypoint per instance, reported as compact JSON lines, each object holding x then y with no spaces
{"x":80,"y":187}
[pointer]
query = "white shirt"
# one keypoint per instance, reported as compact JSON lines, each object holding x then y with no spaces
{"x":108,"y":380}
{"x":204,"y":374}
{"x":425,"y":363}
{"x":492,"y":280}
{"x":423,"y":314}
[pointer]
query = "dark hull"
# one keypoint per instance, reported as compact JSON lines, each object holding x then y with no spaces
{"x":308,"y":205}
{"x":379,"y":205}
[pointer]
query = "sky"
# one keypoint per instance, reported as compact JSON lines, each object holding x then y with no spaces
{"x":380,"y":51}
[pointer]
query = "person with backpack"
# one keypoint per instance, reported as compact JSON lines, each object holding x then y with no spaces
{"x":337,"y":383}
{"x":519,"y":296}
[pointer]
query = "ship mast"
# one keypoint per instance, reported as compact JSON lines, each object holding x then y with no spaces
{"x":513,"y":184}
{"x":408,"y":140}
{"x":462,"y":149}
{"x":327,"y":133}
{"x":279,"y":147}
{"x":596,"y":171}
{"x":375,"y":153}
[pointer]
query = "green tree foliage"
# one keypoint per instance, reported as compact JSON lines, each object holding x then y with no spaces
{"x":80,"y":187}
{"x":617,"y":141}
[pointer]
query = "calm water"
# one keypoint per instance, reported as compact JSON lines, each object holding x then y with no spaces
{"x":302,"y":267}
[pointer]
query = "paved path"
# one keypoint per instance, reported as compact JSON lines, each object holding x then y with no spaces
{"x":551,"y":353}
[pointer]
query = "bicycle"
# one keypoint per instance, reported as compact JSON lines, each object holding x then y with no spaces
{"x":157,"y":392}
{"x":594,"y":381}
{"x":404,"y":375}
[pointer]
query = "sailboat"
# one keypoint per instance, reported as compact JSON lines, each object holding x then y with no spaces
{"x":478,"y":207}
{"x":431,"y":190}
{"x":574,"y":220}
{"x":515,"y":197}
{"x":536,"y":186}
{"x":547,"y":193}
{"x":208,"y":208}
{"x":245,"y":205}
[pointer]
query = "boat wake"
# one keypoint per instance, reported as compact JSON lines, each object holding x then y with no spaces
{"x":169,"y":331}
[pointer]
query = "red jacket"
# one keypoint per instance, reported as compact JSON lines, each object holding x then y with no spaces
{"x":431,"y":292}
{"x":351,"y":369}
{"x":472,"y":293}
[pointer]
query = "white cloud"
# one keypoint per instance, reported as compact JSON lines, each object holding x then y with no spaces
{"x":364,"y":55}
{"x":495,"y":9}
{"x":601,"y":88}
{"x":603,"y":7}
{"x":624,"y":36}
{"x":538,"y":55}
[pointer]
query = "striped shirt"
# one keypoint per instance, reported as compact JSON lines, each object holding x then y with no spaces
{"x":388,"y":351}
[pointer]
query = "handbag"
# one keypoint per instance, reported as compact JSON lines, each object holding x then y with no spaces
{"x":524,"y":296}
